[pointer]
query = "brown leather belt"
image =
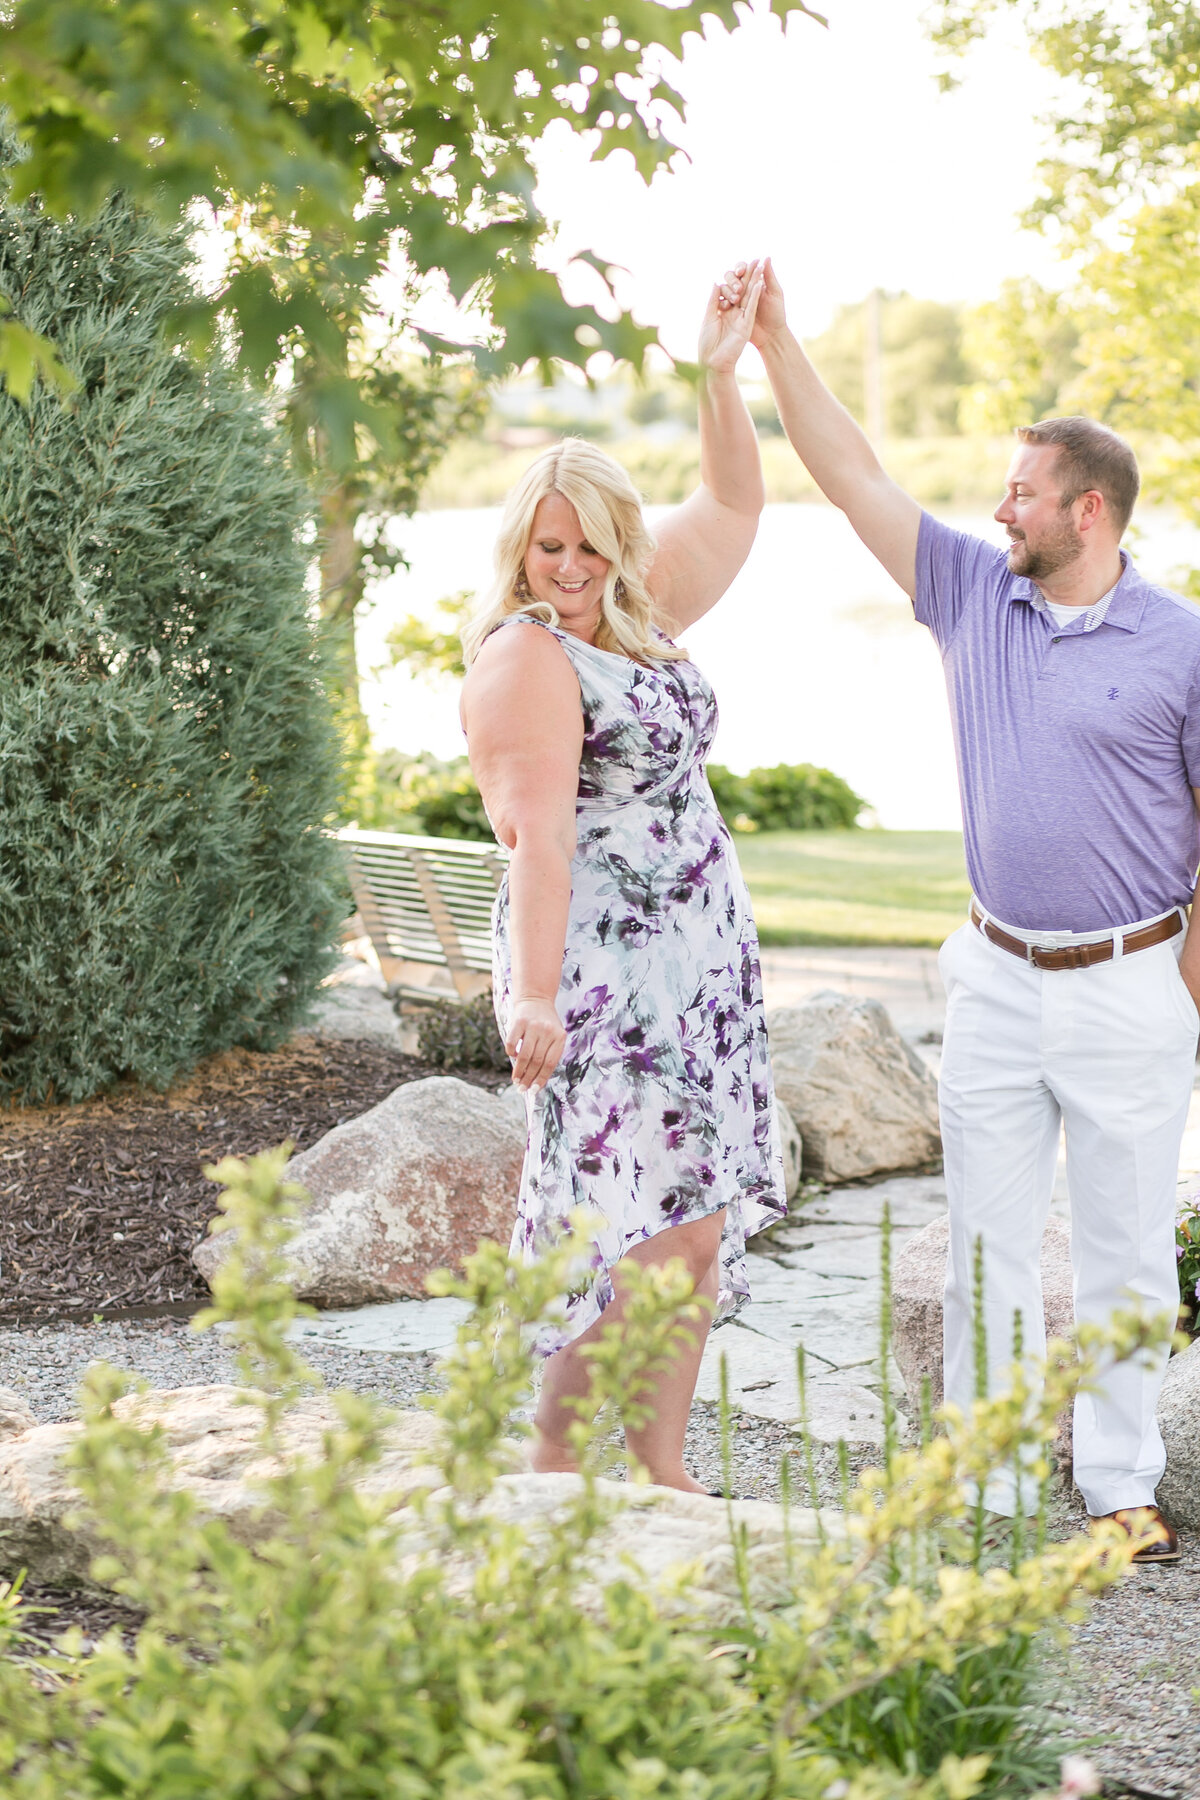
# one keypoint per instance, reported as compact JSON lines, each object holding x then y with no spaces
{"x":1077,"y":956}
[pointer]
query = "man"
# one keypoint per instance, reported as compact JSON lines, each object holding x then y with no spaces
{"x":1074,"y":687}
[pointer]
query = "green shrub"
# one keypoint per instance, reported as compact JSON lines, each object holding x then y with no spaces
{"x":789,"y":797}
{"x":454,"y":1035}
{"x":423,"y":795}
{"x":1187,"y":1255}
{"x":357,"y":1652}
{"x":167,"y":758}
{"x":729,"y":792}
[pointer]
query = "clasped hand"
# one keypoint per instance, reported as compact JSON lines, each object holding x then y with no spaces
{"x":728,"y":322}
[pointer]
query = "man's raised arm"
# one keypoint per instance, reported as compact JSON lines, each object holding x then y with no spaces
{"x":831,"y":446}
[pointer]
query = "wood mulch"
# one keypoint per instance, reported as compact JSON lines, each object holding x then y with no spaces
{"x":102,"y":1203}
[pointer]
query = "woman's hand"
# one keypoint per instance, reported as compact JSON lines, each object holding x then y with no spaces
{"x":770,"y":317}
{"x":535,"y":1042}
{"x":728,"y":322}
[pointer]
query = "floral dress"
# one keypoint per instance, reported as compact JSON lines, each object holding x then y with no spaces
{"x":661,"y":1109}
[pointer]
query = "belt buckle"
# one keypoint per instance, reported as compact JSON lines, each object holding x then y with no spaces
{"x":1073,"y":955}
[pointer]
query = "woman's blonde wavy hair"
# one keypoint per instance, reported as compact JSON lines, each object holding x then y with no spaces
{"x":610,"y":511}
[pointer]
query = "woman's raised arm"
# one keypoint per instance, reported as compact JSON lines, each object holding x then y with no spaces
{"x":704,"y":542}
{"x":524,"y":722}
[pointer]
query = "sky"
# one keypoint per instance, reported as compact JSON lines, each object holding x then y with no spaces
{"x":830,"y":149}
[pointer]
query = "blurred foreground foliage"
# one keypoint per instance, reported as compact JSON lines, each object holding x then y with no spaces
{"x":435,"y":1645}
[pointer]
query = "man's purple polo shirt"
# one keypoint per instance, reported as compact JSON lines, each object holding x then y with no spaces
{"x":1077,"y":750}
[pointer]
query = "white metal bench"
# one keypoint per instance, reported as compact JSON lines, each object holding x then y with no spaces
{"x":426,"y":905}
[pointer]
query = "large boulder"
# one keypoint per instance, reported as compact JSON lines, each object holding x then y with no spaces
{"x":863,"y":1101}
{"x":215,"y":1454}
{"x":1179,"y":1421}
{"x":918,"y":1281}
{"x":793,"y":1149}
{"x":408,"y":1187}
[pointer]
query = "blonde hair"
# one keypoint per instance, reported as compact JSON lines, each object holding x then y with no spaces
{"x":610,"y":512}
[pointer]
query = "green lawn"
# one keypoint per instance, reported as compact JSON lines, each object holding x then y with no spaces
{"x":855,"y":887}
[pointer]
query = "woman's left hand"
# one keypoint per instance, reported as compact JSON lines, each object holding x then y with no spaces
{"x":726,"y":328}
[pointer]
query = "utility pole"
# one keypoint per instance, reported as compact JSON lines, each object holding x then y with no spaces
{"x":873,"y":367}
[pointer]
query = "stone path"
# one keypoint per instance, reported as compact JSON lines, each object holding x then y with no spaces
{"x":815,"y":1279}
{"x":906,"y":981}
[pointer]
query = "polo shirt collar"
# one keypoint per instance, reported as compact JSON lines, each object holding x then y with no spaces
{"x":1128,"y":601}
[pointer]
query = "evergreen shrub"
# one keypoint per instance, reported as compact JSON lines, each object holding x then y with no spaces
{"x":438,"y":1650}
{"x":167,"y":761}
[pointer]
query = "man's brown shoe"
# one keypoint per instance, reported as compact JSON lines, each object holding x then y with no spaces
{"x":1155,"y":1540}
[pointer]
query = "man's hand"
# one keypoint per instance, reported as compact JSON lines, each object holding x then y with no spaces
{"x":770,"y":316}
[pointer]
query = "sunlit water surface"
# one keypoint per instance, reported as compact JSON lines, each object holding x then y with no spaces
{"x":813,"y":653}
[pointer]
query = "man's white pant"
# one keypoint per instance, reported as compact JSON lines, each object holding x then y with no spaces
{"x":1111,"y":1051}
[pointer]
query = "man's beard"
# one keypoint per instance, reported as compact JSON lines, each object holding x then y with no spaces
{"x":1057,"y":550}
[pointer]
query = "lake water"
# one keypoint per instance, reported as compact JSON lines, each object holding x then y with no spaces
{"x":813,"y":652}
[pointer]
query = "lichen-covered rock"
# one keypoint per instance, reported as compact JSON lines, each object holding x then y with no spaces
{"x":863,"y":1101}
{"x":406,"y":1188}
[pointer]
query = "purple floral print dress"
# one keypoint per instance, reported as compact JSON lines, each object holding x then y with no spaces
{"x":661,"y":1109}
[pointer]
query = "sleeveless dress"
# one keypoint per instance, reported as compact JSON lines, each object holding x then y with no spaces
{"x":661,"y":1109}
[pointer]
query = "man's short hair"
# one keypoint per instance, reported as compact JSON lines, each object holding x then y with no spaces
{"x":1090,"y":457}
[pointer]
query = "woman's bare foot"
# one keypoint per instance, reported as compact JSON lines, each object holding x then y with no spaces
{"x":549,"y":1458}
{"x":678,"y":1479}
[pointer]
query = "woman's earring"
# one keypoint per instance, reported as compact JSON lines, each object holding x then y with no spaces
{"x":619,"y":592}
{"x":521,"y":586}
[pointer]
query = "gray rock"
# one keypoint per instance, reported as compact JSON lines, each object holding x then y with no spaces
{"x":863,"y":1101}
{"x":406,"y":1188}
{"x":918,"y":1280}
{"x":353,"y":1003}
{"x":215,"y":1453}
{"x":15,"y":1415}
{"x":1179,"y":1421}
{"x":656,"y":1532}
{"x":793,"y":1149}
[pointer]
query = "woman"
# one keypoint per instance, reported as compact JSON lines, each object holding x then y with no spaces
{"x":627,"y":981}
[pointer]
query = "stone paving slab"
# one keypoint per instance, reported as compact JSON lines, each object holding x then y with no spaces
{"x":395,"y":1328}
{"x":905,"y":980}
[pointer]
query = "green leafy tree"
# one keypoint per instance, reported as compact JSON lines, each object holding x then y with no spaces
{"x":359,"y":140}
{"x":921,"y":363}
{"x":352,"y":156}
{"x":1129,"y":114}
{"x":1127,"y":154}
{"x":1022,"y":351}
{"x":167,"y":757}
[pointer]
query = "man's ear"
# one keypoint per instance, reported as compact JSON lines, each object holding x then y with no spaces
{"x":1092,"y":510}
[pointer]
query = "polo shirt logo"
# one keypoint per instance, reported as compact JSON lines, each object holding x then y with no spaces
{"x":1114,"y":693}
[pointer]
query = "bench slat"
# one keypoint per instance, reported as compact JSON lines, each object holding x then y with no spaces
{"x":427,"y":900}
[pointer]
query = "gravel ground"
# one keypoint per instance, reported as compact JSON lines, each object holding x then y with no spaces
{"x":1131,"y":1674}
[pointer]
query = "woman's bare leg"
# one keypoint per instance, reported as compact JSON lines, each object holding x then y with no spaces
{"x":659,"y":1445}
